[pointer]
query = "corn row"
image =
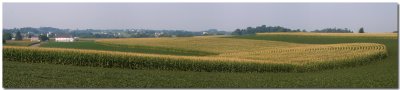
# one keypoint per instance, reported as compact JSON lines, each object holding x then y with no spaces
{"x":282,"y":60}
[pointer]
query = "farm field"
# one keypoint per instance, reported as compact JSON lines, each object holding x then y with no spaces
{"x":269,"y":60}
{"x":18,"y":43}
{"x":233,"y":55}
{"x":92,"y":45}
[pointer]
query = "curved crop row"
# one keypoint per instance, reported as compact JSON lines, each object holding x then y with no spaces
{"x":296,"y":59}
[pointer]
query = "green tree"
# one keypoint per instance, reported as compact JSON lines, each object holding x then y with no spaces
{"x":7,"y":36}
{"x":237,"y":32}
{"x":43,"y":38}
{"x":18,"y":36}
{"x":361,"y":30}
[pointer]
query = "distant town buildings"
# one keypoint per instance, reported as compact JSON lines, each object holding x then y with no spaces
{"x":50,"y":34}
{"x":158,"y":34}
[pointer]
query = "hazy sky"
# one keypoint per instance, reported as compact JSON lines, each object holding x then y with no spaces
{"x":374,"y":17}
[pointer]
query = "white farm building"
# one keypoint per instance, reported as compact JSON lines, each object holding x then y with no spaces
{"x":64,"y":38}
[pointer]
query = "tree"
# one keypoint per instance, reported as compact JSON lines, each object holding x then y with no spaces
{"x":43,"y":38}
{"x":262,"y":29}
{"x":237,"y":32}
{"x":333,"y":30}
{"x":361,"y":30}
{"x":18,"y":36}
{"x":395,"y":31}
{"x":7,"y":36}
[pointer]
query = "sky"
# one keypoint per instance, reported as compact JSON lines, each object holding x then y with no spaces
{"x":374,"y":17}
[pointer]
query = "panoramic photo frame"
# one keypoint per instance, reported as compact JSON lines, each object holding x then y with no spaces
{"x":200,"y":45}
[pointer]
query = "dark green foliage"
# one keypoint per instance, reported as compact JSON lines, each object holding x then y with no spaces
{"x":261,"y":29}
{"x":36,"y":75}
{"x":32,"y":30}
{"x":237,"y":32}
{"x":18,"y":36}
{"x":109,"y":60}
{"x":333,"y":30}
{"x":102,"y":59}
{"x":361,"y":30}
{"x":125,"y":48}
{"x":43,"y":38}
{"x":265,"y":29}
{"x":7,"y":36}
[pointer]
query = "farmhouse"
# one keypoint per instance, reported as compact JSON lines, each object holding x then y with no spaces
{"x":205,"y":33}
{"x":64,"y":38}
{"x":35,"y":38}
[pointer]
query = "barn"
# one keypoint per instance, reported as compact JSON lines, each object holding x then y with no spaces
{"x":64,"y":38}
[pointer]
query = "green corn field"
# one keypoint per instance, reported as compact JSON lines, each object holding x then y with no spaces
{"x":296,"y":59}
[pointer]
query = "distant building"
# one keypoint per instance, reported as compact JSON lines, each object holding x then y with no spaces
{"x":27,"y":35}
{"x":35,"y":38}
{"x":50,"y":34}
{"x":205,"y":33}
{"x":157,"y":34}
{"x":64,"y":38}
{"x":76,"y":38}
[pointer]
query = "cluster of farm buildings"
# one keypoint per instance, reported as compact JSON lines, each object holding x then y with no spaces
{"x":57,"y":37}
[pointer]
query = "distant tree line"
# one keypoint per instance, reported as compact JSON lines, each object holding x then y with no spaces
{"x":9,"y":36}
{"x":263,"y":29}
{"x":40,"y":30}
{"x":18,"y":36}
{"x":333,"y":30}
{"x":267,"y":29}
{"x":28,"y":32}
